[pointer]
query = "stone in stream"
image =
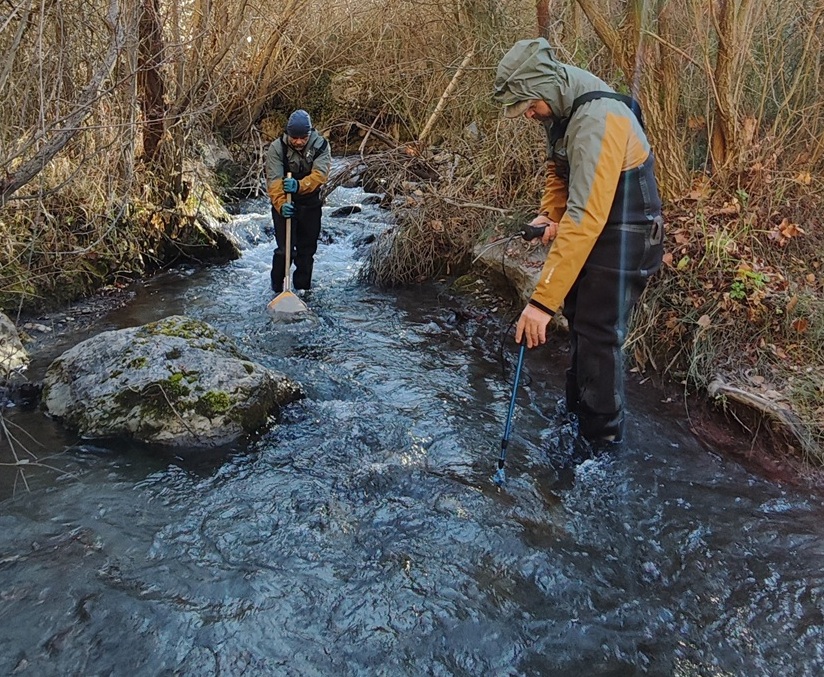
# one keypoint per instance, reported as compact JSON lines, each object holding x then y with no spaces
{"x":177,"y":382}
{"x":346,"y":210}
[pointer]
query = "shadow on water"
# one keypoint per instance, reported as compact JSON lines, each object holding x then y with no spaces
{"x":362,"y":535}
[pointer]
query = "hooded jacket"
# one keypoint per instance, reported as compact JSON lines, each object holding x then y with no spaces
{"x":602,"y":141}
{"x":310,"y":166}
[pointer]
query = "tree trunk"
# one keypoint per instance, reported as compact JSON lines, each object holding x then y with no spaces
{"x":670,"y":148}
{"x":149,"y":78}
{"x":731,"y":19}
{"x":652,"y":81}
{"x":542,"y":12}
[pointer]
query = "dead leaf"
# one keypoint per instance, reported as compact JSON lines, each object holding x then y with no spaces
{"x":668,"y":261}
{"x":791,"y":304}
{"x":778,"y":352}
{"x":800,"y":324}
{"x":704,"y":321}
{"x":804,"y":178}
{"x":784,"y":231}
{"x":700,"y":189}
{"x":789,"y":230}
{"x":811,"y":278}
{"x":728,"y":208}
{"x":743,"y":269}
{"x":437,"y":225}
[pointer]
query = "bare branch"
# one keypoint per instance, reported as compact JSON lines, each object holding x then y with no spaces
{"x":31,"y":168}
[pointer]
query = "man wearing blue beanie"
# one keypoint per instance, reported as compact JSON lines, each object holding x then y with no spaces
{"x":304,"y":153}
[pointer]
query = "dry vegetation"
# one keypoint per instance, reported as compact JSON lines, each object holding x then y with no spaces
{"x":108,"y":105}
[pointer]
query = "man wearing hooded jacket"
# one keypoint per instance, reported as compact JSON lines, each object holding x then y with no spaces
{"x":304,"y":153}
{"x":602,"y":208}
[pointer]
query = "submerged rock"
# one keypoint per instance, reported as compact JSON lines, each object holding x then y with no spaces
{"x":346,"y":210}
{"x":176,"y":382}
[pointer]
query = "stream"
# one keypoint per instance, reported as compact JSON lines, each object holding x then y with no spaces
{"x":362,"y":534}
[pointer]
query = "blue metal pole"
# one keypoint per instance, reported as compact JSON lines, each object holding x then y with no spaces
{"x":500,"y":477}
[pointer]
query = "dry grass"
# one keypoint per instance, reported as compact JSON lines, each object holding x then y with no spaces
{"x":741,"y":296}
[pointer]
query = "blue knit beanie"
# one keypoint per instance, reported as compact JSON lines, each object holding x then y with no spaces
{"x":299,"y":124}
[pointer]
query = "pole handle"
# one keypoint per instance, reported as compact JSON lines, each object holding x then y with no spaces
{"x":287,"y":286}
{"x":531,"y":232}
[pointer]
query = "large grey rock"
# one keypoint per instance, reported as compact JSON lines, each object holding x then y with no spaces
{"x":514,"y":266}
{"x":176,"y":382}
{"x":13,"y":356}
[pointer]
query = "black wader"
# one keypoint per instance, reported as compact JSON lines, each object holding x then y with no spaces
{"x":305,"y":234}
{"x":599,"y":305}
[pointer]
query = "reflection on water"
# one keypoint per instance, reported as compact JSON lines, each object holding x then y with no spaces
{"x":362,"y":534}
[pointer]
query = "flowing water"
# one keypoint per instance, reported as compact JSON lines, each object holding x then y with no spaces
{"x":362,"y":535}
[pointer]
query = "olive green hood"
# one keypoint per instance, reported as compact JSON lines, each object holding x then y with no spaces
{"x":529,"y":70}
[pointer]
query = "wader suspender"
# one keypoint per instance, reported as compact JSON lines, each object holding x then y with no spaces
{"x":559,"y":128}
{"x":285,"y":160}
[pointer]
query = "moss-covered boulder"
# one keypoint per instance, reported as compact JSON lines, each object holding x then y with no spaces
{"x":177,"y":382}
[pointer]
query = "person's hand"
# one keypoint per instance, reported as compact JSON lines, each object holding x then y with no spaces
{"x":550,"y":227}
{"x":290,"y":185}
{"x":287,"y":210}
{"x":532,"y":326}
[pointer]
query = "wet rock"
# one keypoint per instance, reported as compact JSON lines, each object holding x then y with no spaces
{"x":13,"y":356}
{"x":176,"y":382}
{"x":249,"y":229}
{"x":363,"y":244}
{"x":346,"y":210}
{"x":514,"y":266}
{"x":23,"y":394}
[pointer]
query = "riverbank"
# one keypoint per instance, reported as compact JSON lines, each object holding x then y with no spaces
{"x":759,"y":430}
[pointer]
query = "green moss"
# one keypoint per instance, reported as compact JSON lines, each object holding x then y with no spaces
{"x":196,"y":332}
{"x":161,"y":399}
{"x":465,"y":283}
{"x":176,"y":385}
{"x":249,"y":367}
{"x":138,"y":362}
{"x":178,"y":327}
{"x":213,"y":403}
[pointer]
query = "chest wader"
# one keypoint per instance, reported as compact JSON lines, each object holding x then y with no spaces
{"x":599,"y":304}
{"x":305,"y":226}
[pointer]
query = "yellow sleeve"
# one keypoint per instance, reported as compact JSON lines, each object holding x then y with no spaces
{"x":312,"y":182}
{"x":276,"y":193}
{"x":554,"y":199}
{"x":596,"y":159}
